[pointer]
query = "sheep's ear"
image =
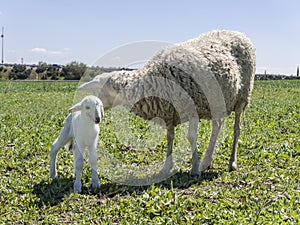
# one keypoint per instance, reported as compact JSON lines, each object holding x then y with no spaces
{"x":92,"y":85}
{"x":75,"y":108}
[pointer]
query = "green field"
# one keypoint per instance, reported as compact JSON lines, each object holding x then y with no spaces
{"x":264,"y":190}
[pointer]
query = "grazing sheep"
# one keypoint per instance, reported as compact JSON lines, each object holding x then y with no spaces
{"x":204,"y":78}
{"x":81,"y":128}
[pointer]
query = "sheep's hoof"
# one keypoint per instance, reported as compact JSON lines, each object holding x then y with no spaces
{"x":165,"y":173}
{"x":96,"y":185}
{"x":232,"y":166}
{"x":195,"y":172}
{"x":166,"y":170}
{"x":204,"y":167}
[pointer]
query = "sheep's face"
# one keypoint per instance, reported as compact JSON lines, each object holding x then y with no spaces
{"x":101,"y":88}
{"x":91,"y":107}
{"x":108,"y":95}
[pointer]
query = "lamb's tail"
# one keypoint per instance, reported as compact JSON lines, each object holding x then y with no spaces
{"x":71,"y":145}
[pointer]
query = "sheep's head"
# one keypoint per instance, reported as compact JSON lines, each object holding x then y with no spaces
{"x":90,"y":106}
{"x":100,"y":86}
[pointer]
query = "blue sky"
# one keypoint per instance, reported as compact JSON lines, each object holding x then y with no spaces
{"x":61,"y":31}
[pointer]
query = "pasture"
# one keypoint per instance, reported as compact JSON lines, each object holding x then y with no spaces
{"x":264,"y":190}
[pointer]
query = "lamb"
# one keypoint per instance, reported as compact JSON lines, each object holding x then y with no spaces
{"x":204,"y":78}
{"x":81,"y":129}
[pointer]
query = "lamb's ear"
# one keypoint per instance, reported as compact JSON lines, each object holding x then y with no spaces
{"x":102,"y":111}
{"x":75,"y":108}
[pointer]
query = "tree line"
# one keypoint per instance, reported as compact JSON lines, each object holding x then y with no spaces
{"x":43,"y":71}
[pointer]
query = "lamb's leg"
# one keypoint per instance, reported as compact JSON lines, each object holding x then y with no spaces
{"x":169,"y":160}
{"x":61,"y":141}
{"x":205,"y":163}
{"x":192,"y":137}
{"x":93,"y":162}
{"x":53,"y":153}
{"x":79,"y":160}
{"x":233,"y":158}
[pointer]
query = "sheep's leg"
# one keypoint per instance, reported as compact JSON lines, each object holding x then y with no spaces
{"x":79,"y":160}
{"x":192,"y":137}
{"x":205,"y":163}
{"x":61,"y":141}
{"x":169,"y":160}
{"x":93,"y":162}
{"x":233,"y":158}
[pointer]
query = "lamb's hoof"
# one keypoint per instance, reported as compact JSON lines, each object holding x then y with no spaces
{"x":232,"y":166}
{"x":54,"y":177}
{"x":53,"y":174}
{"x":77,"y":187}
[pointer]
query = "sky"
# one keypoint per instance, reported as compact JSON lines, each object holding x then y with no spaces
{"x":62,"y":31}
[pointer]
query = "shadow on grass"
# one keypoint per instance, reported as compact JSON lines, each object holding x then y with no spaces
{"x":180,"y":180}
{"x":183,"y":180}
{"x":52,"y":192}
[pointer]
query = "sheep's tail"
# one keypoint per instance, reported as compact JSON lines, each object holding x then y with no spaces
{"x":71,"y":145}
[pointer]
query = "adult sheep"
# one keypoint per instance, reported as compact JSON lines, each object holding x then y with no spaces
{"x":204,"y":78}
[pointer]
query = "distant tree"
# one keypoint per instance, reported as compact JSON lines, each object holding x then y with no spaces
{"x":52,"y":72}
{"x":297,"y":71}
{"x":3,"y":73}
{"x":73,"y":71}
{"x":47,"y":71}
{"x":42,"y":67}
{"x":41,"y":70}
{"x":19,"y":72}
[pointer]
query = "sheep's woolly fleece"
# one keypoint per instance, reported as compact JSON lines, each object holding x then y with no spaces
{"x":227,"y":57}
{"x":204,"y":78}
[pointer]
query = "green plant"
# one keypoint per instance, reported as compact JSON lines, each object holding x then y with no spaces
{"x":264,"y":190}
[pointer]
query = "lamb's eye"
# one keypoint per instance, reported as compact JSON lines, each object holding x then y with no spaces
{"x":87,"y":107}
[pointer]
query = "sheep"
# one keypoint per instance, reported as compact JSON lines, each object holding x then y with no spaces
{"x":80,"y":129}
{"x":204,"y":78}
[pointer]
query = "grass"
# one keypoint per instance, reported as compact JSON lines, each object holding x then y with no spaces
{"x":264,"y":190}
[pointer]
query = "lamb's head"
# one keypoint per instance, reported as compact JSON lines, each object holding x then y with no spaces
{"x":91,"y":107}
{"x":101,"y":87}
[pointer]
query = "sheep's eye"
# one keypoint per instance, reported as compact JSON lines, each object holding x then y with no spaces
{"x":87,"y":107}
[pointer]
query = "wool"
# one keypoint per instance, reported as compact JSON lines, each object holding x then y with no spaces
{"x":203,"y":78}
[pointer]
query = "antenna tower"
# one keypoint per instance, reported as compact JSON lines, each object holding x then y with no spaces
{"x":2,"y":37}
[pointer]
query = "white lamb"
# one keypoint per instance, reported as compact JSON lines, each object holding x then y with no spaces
{"x":81,"y":129}
{"x":204,"y":78}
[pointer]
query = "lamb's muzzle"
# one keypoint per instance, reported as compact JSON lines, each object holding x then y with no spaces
{"x":97,"y":120}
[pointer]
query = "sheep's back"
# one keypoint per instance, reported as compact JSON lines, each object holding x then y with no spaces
{"x":228,"y":57}
{"x":231,"y":56}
